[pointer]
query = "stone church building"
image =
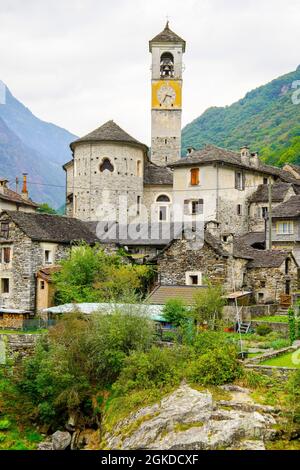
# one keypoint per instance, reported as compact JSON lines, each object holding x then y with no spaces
{"x":114,"y":177}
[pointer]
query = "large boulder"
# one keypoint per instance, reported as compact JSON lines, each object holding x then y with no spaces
{"x":61,"y":440}
{"x":190,"y":420}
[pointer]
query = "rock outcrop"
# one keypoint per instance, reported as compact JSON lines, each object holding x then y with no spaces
{"x":191,"y":420}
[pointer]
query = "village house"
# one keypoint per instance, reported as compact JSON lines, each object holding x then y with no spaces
{"x":259,"y":202}
{"x":230,"y":262}
{"x":29,"y":244}
{"x":286,"y":226}
{"x":14,"y":201}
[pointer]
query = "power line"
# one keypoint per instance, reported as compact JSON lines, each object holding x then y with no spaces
{"x":195,"y":189}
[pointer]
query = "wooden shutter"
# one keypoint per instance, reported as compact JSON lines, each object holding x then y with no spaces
{"x":6,"y":255}
{"x":194,"y":176}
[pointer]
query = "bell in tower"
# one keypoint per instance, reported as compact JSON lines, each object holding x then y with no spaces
{"x":167,"y":65}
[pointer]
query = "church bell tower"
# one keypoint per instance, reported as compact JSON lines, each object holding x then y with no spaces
{"x":167,"y":49}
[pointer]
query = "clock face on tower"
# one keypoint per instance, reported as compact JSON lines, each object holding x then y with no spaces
{"x":166,"y":94}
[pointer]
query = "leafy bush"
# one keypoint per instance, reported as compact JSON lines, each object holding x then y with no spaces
{"x":91,"y":275}
{"x":263,"y":330}
{"x":209,"y":340}
{"x":176,"y":312}
{"x":4,"y":424}
{"x":208,"y":305}
{"x":154,"y":369}
{"x":216,"y":367}
{"x":77,"y":356}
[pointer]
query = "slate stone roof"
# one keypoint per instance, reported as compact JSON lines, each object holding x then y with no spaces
{"x":109,"y":132}
{"x":161,"y":294}
{"x":253,"y":238}
{"x":212,"y":154}
{"x":140,"y":234}
{"x":167,"y":36}
{"x":157,"y":175}
{"x":268,"y":259}
{"x":288,"y":209}
{"x":279,"y":191}
{"x":11,"y":196}
{"x":258,"y":258}
{"x":52,"y":228}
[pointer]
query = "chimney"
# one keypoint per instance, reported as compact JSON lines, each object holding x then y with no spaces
{"x":3,"y":185}
{"x":24,"y":188}
{"x":245,"y":155}
{"x":227,"y":242}
{"x":254,"y":160}
{"x":190,"y":150}
{"x":213,"y":227}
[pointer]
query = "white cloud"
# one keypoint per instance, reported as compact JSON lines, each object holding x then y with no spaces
{"x":78,"y":63}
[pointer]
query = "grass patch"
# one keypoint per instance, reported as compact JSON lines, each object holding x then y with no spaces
{"x":272,"y":318}
{"x":181,"y":427}
{"x":284,"y":360}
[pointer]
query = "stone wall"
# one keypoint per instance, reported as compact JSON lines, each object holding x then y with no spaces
{"x":95,"y":192}
{"x":27,"y":259}
{"x":282,"y":373}
{"x":17,"y":346}
{"x":271,"y":282}
{"x":179,"y":258}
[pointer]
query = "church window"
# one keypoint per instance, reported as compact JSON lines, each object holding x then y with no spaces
{"x":239,"y":209}
{"x":163,"y":213}
{"x":106,"y":165}
{"x":138,"y":205}
{"x":195,"y":177}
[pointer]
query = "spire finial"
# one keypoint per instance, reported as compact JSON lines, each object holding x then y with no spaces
{"x":167,"y":23}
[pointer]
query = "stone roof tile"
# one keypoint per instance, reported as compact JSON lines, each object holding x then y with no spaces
{"x":109,"y":132}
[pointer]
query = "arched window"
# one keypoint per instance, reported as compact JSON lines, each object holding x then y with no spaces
{"x":163,"y":198}
{"x":106,"y":165}
{"x":167,"y":65}
{"x":139,"y":168}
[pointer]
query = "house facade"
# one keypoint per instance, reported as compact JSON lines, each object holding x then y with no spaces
{"x":28,"y":243}
{"x":286,"y":226}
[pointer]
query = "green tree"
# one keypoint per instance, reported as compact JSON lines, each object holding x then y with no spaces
{"x":176,"y":312}
{"x":91,"y":275}
{"x":292,"y":325}
{"x":46,"y":209}
{"x":208,"y":305}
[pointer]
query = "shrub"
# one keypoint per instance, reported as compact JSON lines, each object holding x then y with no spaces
{"x":216,"y":367}
{"x":154,"y":369}
{"x":263,"y":330}
{"x":208,"y":305}
{"x":209,"y":340}
{"x":175,"y":312}
{"x":292,"y":325}
{"x":4,"y":424}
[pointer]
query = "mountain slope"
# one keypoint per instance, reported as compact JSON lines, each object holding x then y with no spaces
{"x":28,"y":144}
{"x":266,"y":119}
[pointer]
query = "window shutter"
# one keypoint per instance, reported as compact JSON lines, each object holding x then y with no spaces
{"x":6,"y":255}
{"x":194,"y":176}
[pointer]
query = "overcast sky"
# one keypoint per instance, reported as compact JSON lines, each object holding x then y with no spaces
{"x":78,"y":63}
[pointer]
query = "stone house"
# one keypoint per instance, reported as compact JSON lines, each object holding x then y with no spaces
{"x":28,"y":243}
{"x":259,"y":202}
{"x":286,"y":226}
{"x":44,"y":287}
{"x":231,"y":262}
{"x":195,"y":262}
{"x":14,"y":201}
